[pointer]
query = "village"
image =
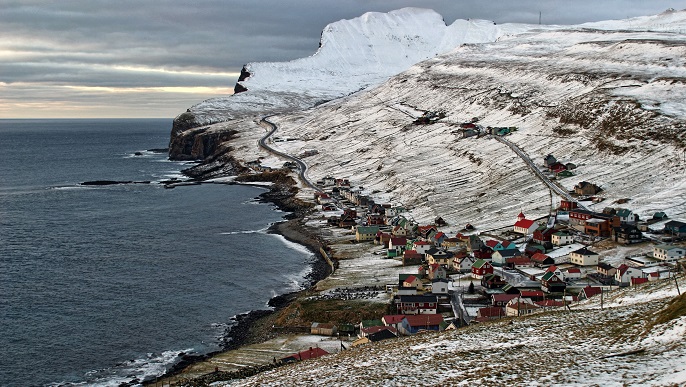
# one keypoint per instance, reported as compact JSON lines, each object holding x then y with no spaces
{"x":473,"y":276}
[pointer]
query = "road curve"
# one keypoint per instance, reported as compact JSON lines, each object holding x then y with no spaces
{"x":553,"y":187}
{"x":301,"y":165}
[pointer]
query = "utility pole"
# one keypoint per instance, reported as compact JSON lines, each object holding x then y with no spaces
{"x":539,"y":18}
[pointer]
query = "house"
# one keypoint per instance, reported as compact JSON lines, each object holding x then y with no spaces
{"x":493,"y":281}
{"x":567,"y":205}
{"x":417,"y":304}
{"x":463,"y":262}
{"x":675,"y":228}
{"x":382,"y":238}
{"x":660,"y":215}
{"x":436,"y":271}
{"x":586,"y":188}
{"x":524,"y":226}
{"x":366,"y":233}
{"x":375,"y":219}
{"x":605,"y":269}
{"x":520,"y":307}
{"x":439,"y":256}
{"x":601,"y":226}
{"x":412,"y":282}
{"x":499,"y":257}
{"x":399,"y":231}
{"x":543,"y":236}
{"x":481,"y":268}
{"x":549,"y":304}
{"x":427,"y":232}
{"x":571,"y":273}
{"x":311,"y":353}
{"x":502,"y":299}
{"x":438,"y":238}
{"x":584,"y":257}
{"x":626,"y":215}
{"x":625,"y":273}
{"x":450,"y":243}
{"x":439,"y":286}
{"x":413,"y":324}
{"x":475,"y":243}
{"x":412,"y":257}
{"x":393,"y":320}
{"x":396,"y":246}
{"x":540,"y":259}
{"x":323,"y":329}
{"x":489,"y":313}
{"x":483,"y":253}
{"x":627,"y":234}
{"x":370,"y":323}
{"x":422,"y":246}
{"x":518,"y":262}
{"x":533,"y":295}
{"x":551,"y":283}
{"x":589,"y":291}
{"x":669,"y":253}
{"x":365,"y":332}
{"x":384,"y":333}
{"x":549,"y":161}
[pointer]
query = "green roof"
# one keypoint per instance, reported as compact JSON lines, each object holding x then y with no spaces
{"x":367,"y":229}
{"x":371,"y":323}
{"x":478,"y":264}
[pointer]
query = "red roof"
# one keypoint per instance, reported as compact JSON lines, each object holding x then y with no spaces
{"x":491,"y":243}
{"x":575,"y":270}
{"x":504,"y":297}
{"x":524,"y":223}
{"x":308,"y":354}
{"x":551,"y":269}
{"x":549,"y":303}
{"x":531,"y":293}
{"x":398,"y":241}
{"x":419,"y":320}
{"x":393,"y":318}
{"x":412,"y":254}
{"x":491,"y":311}
{"x":590,"y":291}
{"x":539,"y":257}
{"x":422,"y":243}
{"x":518,"y":261}
{"x":410,"y":279}
{"x":522,"y":305}
{"x":439,"y":235}
{"x":506,"y":244}
{"x":434,"y":266}
{"x":521,"y":215}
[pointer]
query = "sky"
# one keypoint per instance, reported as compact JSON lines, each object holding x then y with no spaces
{"x":155,"y":59}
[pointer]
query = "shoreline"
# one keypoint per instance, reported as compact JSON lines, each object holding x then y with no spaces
{"x":255,"y":326}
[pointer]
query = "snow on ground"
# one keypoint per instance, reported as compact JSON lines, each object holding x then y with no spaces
{"x":584,"y":346}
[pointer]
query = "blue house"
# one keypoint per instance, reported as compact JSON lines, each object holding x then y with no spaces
{"x":412,"y":324}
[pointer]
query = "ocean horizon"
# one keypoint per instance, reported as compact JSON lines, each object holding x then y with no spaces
{"x":103,"y":285}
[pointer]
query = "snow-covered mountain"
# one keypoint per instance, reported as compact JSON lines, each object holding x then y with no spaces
{"x":608,"y":97}
{"x":353,"y":54}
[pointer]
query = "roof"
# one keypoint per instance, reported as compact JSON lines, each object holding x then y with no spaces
{"x":575,"y":270}
{"x":418,"y":320}
{"x":507,"y":252}
{"x":399,"y":241}
{"x":522,"y":305}
{"x":491,"y":311}
{"x":383,"y":334}
{"x":422,"y":243}
{"x":548,"y":276}
{"x":410,"y":279}
{"x":371,"y":323}
{"x":480,"y":263}
{"x":492,"y":243}
{"x":393,"y":318}
{"x":367,"y":229}
{"x":307,"y":354}
{"x":590,"y":291}
{"x":524,"y":223}
{"x":503,"y":297}
{"x":624,"y":212}
{"x":584,"y":251}
{"x":675,"y":223}
{"x":539,"y":257}
{"x":549,"y":303}
{"x":605,"y":266}
{"x":531,"y":293}
{"x":377,"y":328}
{"x":424,"y":298}
{"x":521,"y":215}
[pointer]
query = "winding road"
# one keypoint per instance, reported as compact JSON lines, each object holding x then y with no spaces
{"x":301,"y":165}
{"x":553,"y":187}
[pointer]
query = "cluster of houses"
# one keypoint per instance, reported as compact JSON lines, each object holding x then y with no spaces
{"x":515,"y":276}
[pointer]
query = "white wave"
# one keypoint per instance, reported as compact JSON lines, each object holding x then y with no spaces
{"x":239,"y":232}
{"x":294,"y":246}
{"x":153,"y":365}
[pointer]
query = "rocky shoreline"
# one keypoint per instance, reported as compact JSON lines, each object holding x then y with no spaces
{"x":255,"y":326}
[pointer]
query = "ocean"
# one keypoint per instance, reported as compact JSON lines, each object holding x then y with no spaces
{"x":103,"y":284}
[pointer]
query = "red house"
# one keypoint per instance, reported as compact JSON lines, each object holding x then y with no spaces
{"x":568,"y":205}
{"x":481,"y":268}
{"x":311,"y":353}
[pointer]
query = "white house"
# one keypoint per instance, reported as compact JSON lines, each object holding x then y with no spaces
{"x":463,"y":264}
{"x":584,"y":257}
{"x":422,"y":246}
{"x":669,"y":253}
{"x":571,"y":273}
{"x":524,"y":225}
{"x":439,"y":286}
{"x":625,"y":273}
{"x":561,"y":238}
{"x":520,"y":306}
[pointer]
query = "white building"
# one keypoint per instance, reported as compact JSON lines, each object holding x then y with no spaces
{"x":669,"y":253}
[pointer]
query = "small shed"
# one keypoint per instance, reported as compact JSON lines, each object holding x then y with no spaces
{"x":323,"y":329}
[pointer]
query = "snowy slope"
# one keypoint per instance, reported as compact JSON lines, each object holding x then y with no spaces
{"x":617,"y":345}
{"x":353,"y":54}
{"x":610,"y":101}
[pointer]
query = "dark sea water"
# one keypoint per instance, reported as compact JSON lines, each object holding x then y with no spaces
{"x":100,"y":285}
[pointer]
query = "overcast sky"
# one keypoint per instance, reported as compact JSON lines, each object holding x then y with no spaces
{"x":144,"y":58}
